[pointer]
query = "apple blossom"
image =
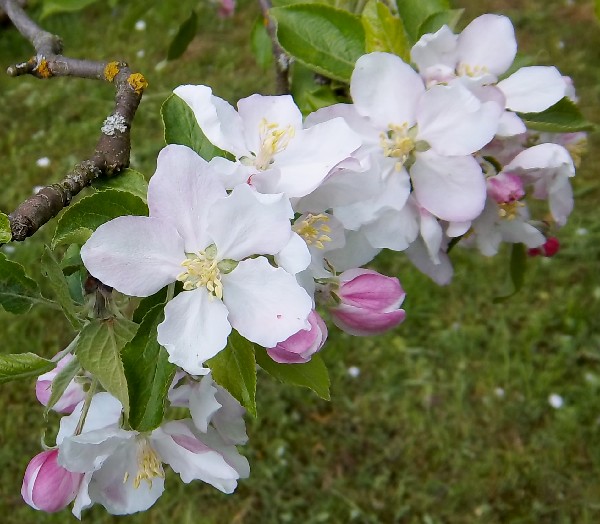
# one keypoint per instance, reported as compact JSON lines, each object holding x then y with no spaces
{"x":300,"y":347}
{"x":72,"y":395}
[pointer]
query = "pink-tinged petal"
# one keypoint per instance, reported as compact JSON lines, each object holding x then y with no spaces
{"x":72,"y":395}
{"x":300,"y":347}
{"x":487,"y":44}
{"x":244,"y":224}
{"x":368,"y":289}
{"x":440,"y":273}
{"x":266,"y":304}
{"x":433,"y":50}
{"x":195,"y":329}
{"x":256,"y":109}
{"x":456,"y":122}
{"x":510,"y":125}
{"x":192,"y":458}
{"x":450,"y":188}
{"x":294,"y":256}
{"x":363,"y":322}
{"x":385,"y":89}
{"x":533,"y":89}
{"x":203,"y":404}
{"x":48,"y":486}
{"x":181,"y":192}
{"x":136,"y":255}
{"x":218,"y":120}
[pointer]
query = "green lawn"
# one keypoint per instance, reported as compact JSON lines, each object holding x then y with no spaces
{"x":449,"y":419}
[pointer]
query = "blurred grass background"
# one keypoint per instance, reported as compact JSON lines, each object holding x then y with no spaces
{"x":448,"y":420}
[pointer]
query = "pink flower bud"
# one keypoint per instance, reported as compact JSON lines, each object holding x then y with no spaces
{"x":72,"y":395}
{"x":370,"y":302}
{"x":227,"y":8}
{"x":547,"y":249}
{"x":300,"y":347}
{"x":505,"y":187}
{"x":48,"y":486}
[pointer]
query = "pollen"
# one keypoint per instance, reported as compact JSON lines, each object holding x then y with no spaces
{"x":273,"y":139}
{"x":201,"y":270}
{"x":472,"y":71}
{"x":510,"y":210}
{"x":111,"y":70}
{"x":397,"y":142}
{"x":43,"y":70}
{"x":149,"y":465}
{"x":314,"y":230}
{"x":137,"y":82}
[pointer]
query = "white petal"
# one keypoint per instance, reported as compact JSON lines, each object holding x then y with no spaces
{"x":431,"y":232}
{"x":243,"y":224}
{"x":440,"y":273}
{"x":230,"y":173}
{"x":195,"y":329}
{"x":295,"y":256}
{"x":488,"y":42}
{"x":82,"y":501}
{"x":357,"y":252}
{"x":451,"y":188}
{"x":181,"y":192}
{"x":510,"y":125}
{"x":394,"y":229}
{"x":454,"y":121}
{"x":266,"y":305}
{"x":435,"y":49}
{"x":280,"y":110}
{"x":561,"y":199}
{"x":218,"y":120}
{"x":203,"y":404}
{"x":135,"y":255}
{"x":533,"y":89}
{"x":385,"y":89}
{"x":456,"y":229}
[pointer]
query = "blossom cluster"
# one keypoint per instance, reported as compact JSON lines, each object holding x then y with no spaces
{"x":273,"y":234}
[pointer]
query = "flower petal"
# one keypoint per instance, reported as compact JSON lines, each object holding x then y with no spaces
{"x":533,"y":89}
{"x":203,"y":404}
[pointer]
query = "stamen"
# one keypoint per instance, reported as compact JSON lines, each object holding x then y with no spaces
{"x":313,"y":229}
{"x":396,"y":142}
{"x":202,"y":270}
{"x":273,"y":140}
{"x":510,"y":210}
{"x":149,"y":464}
{"x":472,"y":71}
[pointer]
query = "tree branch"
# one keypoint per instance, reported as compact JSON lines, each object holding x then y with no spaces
{"x":113,"y":148}
{"x":282,"y":60}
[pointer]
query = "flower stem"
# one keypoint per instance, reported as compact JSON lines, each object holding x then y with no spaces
{"x":86,"y":406}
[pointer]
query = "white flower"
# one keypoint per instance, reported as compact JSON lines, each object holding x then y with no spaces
{"x":199,"y":235}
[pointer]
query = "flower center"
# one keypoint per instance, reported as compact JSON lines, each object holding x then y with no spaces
{"x":149,"y":464}
{"x":397,"y":142}
{"x":313,"y":229}
{"x":202,"y":270}
{"x":273,"y":140}
{"x":472,"y":71}
{"x":509,"y":210}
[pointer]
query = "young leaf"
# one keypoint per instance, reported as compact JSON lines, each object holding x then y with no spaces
{"x":434,"y":22}
{"x":23,"y":365}
{"x":62,"y":380}
{"x":234,"y":368}
{"x":52,"y":7}
{"x":415,"y":12}
{"x":384,"y":31}
{"x":184,"y":36}
{"x":51,"y":269}
{"x":562,"y":117}
{"x":5,"y":232}
{"x":18,"y":292}
{"x":149,"y":374}
{"x":182,"y":128}
{"x":261,"y":45}
{"x":312,"y":374}
{"x":326,"y":39}
{"x":128,"y":180}
{"x":518,"y":264}
{"x":98,"y":351}
{"x":79,"y":220}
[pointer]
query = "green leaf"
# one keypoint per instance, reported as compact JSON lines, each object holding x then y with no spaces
{"x":327,"y":40}
{"x":62,"y":380}
{"x":52,"y":7}
{"x":18,"y":292}
{"x":597,"y":9}
{"x":99,"y":352}
{"x":147,"y":304}
{"x":51,"y":269}
{"x":5,"y":231}
{"x":127,"y":180}
{"x":384,"y":31}
{"x":415,"y":12}
{"x":23,"y":365}
{"x":185,"y":34}
{"x":518,"y":264}
{"x":312,"y":374}
{"x":181,"y":127}
{"x":79,"y":220}
{"x":562,"y":117}
{"x":435,"y":21}
{"x":149,"y":374}
{"x":260,"y":42}
{"x":234,"y":368}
